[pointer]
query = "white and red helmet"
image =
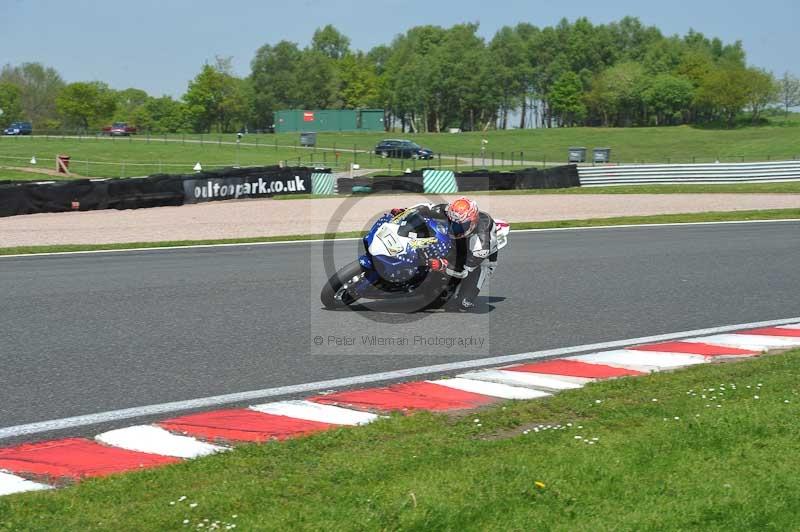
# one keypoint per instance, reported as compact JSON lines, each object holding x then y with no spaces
{"x":463,"y":214}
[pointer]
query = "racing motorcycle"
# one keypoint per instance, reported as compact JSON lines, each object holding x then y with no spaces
{"x":394,"y":265}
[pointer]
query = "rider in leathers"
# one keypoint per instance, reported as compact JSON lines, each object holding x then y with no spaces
{"x":475,"y":244}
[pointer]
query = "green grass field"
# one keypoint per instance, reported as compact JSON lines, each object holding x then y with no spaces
{"x":21,"y":175}
{"x":670,"y":451}
{"x":133,"y":156}
{"x":142,"y":155}
{"x":653,"y":145}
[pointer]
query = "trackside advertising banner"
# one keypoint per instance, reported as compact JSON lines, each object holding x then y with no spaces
{"x":158,"y":190}
{"x":252,"y":185}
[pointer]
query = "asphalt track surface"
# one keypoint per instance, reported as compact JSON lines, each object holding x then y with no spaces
{"x":90,"y":333}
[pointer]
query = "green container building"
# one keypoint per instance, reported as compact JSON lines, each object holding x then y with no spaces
{"x":329,"y":120}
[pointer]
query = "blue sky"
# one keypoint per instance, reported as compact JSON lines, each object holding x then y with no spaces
{"x":158,"y":45}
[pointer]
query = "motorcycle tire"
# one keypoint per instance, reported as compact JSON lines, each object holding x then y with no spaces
{"x":335,"y":283}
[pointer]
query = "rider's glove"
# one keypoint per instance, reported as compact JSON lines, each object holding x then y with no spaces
{"x":396,"y":211}
{"x":452,"y":273}
{"x":437,"y":265}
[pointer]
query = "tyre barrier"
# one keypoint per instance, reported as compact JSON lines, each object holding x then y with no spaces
{"x":159,"y":190}
{"x":382,"y":184}
{"x":445,"y":181}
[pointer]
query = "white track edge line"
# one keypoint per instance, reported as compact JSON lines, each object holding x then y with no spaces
{"x":665,"y":224}
{"x":217,"y":400}
{"x":346,"y":239}
{"x":173,"y":248}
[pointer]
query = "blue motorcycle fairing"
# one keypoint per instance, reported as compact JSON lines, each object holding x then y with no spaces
{"x":366,"y":262}
{"x":400,"y":271}
{"x":397,"y":269}
{"x":374,"y":229}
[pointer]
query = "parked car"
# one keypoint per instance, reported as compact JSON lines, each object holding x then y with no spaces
{"x":119,"y":129}
{"x":18,"y":128}
{"x":402,"y":149}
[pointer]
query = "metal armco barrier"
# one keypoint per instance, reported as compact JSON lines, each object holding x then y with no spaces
{"x":645,"y":174}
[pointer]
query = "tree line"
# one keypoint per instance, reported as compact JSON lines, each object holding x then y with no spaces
{"x":431,"y":78}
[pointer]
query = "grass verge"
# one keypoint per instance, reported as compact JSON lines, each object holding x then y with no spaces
{"x":774,"y":214}
{"x":697,"y":449}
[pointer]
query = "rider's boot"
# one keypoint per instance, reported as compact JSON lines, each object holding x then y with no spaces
{"x":468,"y":291}
{"x":465,"y":305}
{"x":471,"y":286}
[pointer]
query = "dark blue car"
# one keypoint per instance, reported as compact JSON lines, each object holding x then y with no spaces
{"x":402,"y":149}
{"x":18,"y":128}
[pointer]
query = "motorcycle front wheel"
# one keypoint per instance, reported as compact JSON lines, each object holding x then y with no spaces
{"x":335,"y":293}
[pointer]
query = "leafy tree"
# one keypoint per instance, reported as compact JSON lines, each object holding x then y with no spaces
{"x":39,"y":86}
{"x":732,"y":54}
{"x":216,"y":99}
{"x":406,"y":92}
{"x":510,"y":69}
{"x":87,"y":105}
{"x":664,"y":56}
{"x":578,"y":47}
{"x":412,"y":74}
{"x":167,"y":115}
{"x":548,"y":61}
{"x":694,"y":66}
{"x":454,"y":75}
{"x":319,"y":81}
{"x":632,"y":38}
{"x":432,"y":77}
{"x":726,"y":91}
{"x":601,"y":101}
{"x":788,"y":92}
{"x":358,"y":82}
{"x":330,"y":42}
{"x":378,"y":57}
{"x":669,"y":97}
{"x":528,"y":33}
{"x":586,"y":49}
{"x":204,"y":97}
{"x":10,"y":103}
{"x":761,"y":91}
{"x":566,"y":99}
{"x":617,"y":94}
{"x":130,"y":107}
{"x":275,"y":80}
{"x":479,"y":95}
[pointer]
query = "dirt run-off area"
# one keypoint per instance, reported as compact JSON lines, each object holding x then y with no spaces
{"x":269,"y":217}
